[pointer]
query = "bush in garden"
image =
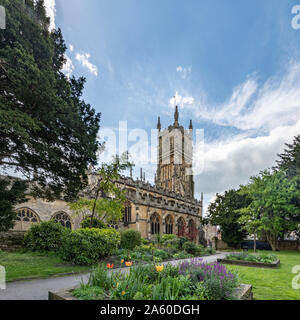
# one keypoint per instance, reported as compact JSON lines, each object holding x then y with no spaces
{"x":145,"y":241}
{"x":191,"y":247}
{"x":45,"y":236}
{"x":130,"y":239}
{"x":182,"y":255}
{"x":191,"y":281}
{"x":161,"y":254}
{"x":87,"y":246}
{"x":213,"y":281}
{"x":168,"y":237}
{"x":96,"y":223}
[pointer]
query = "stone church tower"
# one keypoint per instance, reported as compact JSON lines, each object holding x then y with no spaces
{"x":175,"y":158}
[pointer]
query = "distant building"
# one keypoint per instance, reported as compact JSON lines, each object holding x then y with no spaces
{"x":168,"y":207}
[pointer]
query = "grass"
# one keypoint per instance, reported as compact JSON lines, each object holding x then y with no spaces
{"x":27,"y":265}
{"x":272,"y":284}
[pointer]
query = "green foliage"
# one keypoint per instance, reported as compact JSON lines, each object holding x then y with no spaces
{"x":10,"y":195}
{"x":178,"y":242}
{"x":223,"y":212}
{"x":182,"y":255}
{"x":191,"y":247}
{"x":146,"y":283}
{"x":168,"y":237}
{"x":263,"y":257}
{"x":87,"y":246}
{"x":45,"y":236}
{"x":47,"y":132}
{"x":130,"y":239}
{"x":170,"y":288}
{"x":161,"y":254}
{"x":272,"y":211}
{"x":290,"y":159}
{"x":145,"y":241}
{"x":93,"y":223}
{"x":108,"y":202}
{"x":86,"y":292}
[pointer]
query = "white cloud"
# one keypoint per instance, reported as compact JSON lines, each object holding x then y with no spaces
{"x":71,"y":47}
{"x":181,"y":101}
{"x":51,"y":12}
{"x":267,"y":117}
{"x":227,"y":165}
{"x":68,"y":67}
{"x":275,"y":103}
{"x":83,"y":59}
{"x":184,"y":72}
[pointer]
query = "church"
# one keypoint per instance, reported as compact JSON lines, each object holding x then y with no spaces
{"x":167,"y":207}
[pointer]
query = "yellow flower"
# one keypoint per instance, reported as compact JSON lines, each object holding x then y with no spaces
{"x":122,"y":261}
{"x":159,"y":268}
{"x":123,"y":293}
{"x":128,"y":263}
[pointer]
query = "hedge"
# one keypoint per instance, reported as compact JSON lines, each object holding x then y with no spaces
{"x":87,"y":246}
{"x":45,"y":236}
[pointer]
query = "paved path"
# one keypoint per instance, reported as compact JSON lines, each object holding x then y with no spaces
{"x":38,"y":289}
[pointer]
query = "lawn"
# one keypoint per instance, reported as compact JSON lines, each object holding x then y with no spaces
{"x":272,"y":284}
{"x":25,"y":265}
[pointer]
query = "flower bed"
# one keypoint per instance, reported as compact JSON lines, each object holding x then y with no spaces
{"x":156,"y":253}
{"x":192,"y":280}
{"x":252,"y":260}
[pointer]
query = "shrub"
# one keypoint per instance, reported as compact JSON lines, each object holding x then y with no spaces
{"x":212,"y":281}
{"x":45,"y":236}
{"x":265,"y":258}
{"x":161,"y":254}
{"x":130,"y":239}
{"x":87,"y":246}
{"x":191,"y":247}
{"x":96,"y":223}
{"x":168,"y":237}
{"x":145,"y":241}
{"x":182,"y":255}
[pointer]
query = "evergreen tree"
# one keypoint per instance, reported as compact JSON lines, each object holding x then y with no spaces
{"x":222,"y":212}
{"x":290,"y":159}
{"x":47,"y":132}
{"x":11,"y":193}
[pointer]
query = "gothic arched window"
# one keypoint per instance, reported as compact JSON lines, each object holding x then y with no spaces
{"x":127,"y":213}
{"x":169,"y":224}
{"x":181,"y":227}
{"x":25,"y":218}
{"x":64,"y":219}
{"x":155,"y":224}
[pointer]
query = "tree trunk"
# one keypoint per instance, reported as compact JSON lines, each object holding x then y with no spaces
{"x":271,"y":241}
{"x":94,"y":207}
{"x":254,"y":242}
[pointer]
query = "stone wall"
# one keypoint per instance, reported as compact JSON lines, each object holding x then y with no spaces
{"x":11,"y":240}
{"x":221,"y":245}
{"x":289,"y":245}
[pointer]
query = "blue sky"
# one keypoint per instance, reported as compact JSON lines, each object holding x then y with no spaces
{"x":233,"y":64}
